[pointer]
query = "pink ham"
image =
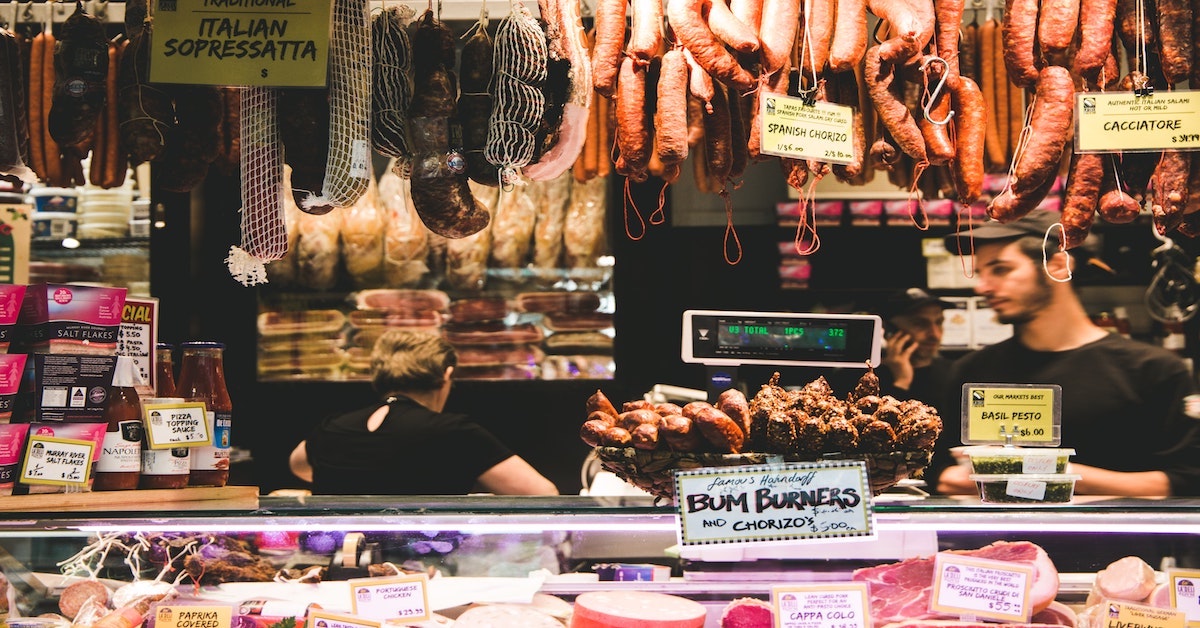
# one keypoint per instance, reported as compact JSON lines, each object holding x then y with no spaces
{"x":636,"y":609}
{"x":1129,"y":578}
{"x":747,"y":612}
{"x":1056,"y":613}
{"x":1160,"y":597}
{"x":901,"y":591}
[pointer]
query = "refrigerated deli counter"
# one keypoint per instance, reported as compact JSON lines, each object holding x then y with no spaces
{"x":557,"y":546}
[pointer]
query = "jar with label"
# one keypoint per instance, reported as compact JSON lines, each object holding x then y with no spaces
{"x":119,"y":463}
{"x":162,"y":468}
{"x":164,"y":370}
{"x":202,"y":378}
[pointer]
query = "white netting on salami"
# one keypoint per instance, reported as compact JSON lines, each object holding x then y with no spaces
{"x":264,"y":231}
{"x":348,"y":170}
{"x":520,"y":68}
{"x":391,"y":82}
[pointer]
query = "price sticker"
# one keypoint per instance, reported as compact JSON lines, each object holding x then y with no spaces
{"x":1027,"y":489}
{"x":1016,"y":413}
{"x":400,"y":597}
{"x":57,"y":461}
{"x":1126,"y":121}
{"x":793,"y":127}
{"x":168,"y":616}
{"x":792,"y":501}
{"x":171,"y":425}
{"x":1039,"y":464}
{"x":1185,"y":593}
{"x":1129,"y":615}
{"x":843,"y":605}
{"x":323,"y":619}
{"x":138,"y":339}
{"x":979,"y":587}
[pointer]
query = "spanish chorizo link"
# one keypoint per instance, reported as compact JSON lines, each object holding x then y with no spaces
{"x":949,"y":23}
{"x":1019,"y":27}
{"x":780,"y":21}
{"x":970,"y":122}
{"x":691,"y":30}
{"x":1050,"y":128}
{"x":632,"y":139}
{"x":645,"y":29}
{"x":849,"y":35}
{"x":670,"y":113}
{"x":896,"y":117}
{"x":718,"y":138}
{"x":1175,"y":39}
{"x":728,"y":28}
{"x":1082,"y":198}
{"x":610,"y":39}
{"x":1057,"y":23}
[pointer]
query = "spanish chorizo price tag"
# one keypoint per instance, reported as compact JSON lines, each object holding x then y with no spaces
{"x":843,"y":605}
{"x":793,"y":128}
{"x":176,"y":425}
{"x":268,"y":43}
{"x":58,"y":461}
{"x":1129,"y":615}
{"x":1028,"y":413}
{"x":168,"y":616}
{"x":323,"y":619}
{"x":979,"y":587}
{"x":1185,"y":593}
{"x":401,"y":597}
{"x":792,"y":501}
{"x":1124,"y":121}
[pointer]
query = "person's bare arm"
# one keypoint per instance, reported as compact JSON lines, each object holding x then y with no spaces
{"x":298,"y":462}
{"x":514,"y":476}
{"x":1097,"y":481}
{"x":955,"y":480}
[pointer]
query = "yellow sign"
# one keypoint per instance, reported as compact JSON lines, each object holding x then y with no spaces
{"x":323,"y":619}
{"x":796,"y":129}
{"x":1124,"y":121}
{"x":269,"y":43}
{"x":401,"y":597}
{"x":992,"y":589}
{"x":57,"y":461}
{"x":1126,"y":615}
{"x":992,"y":413}
{"x":1185,"y":593}
{"x":171,"y":425}
{"x":168,"y":616}
{"x":842,"y":605}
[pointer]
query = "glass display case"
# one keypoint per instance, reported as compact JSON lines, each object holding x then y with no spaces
{"x":558,"y":545}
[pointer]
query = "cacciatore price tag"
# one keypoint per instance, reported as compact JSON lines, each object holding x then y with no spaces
{"x":979,"y":587}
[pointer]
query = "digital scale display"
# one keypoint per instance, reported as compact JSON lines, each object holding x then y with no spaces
{"x":781,"y":338}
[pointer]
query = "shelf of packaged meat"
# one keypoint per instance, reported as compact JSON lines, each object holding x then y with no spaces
{"x":487,"y":549}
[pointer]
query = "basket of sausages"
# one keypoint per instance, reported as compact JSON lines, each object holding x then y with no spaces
{"x":644,"y":443}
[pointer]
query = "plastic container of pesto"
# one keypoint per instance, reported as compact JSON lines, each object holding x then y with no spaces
{"x":1000,"y":460}
{"x":1026,"y":488}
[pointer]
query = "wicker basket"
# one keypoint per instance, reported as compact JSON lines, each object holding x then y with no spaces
{"x":654,"y":471}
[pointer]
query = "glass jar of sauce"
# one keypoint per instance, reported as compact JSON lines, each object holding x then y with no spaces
{"x":119,"y":464}
{"x":163,"y":468}
{"x":202,"y":378}
{"x":164,"y":370}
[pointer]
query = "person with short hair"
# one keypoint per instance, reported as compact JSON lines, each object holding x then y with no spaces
{"x":406,"y":445}
{"x":1122,"y":399}
{"x":913,"y":366}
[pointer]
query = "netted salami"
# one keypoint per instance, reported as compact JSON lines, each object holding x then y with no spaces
{"x":475,"y":103}
{"x":264,"y":230}
{"x":391,"y":83}
{"x":518,"y":104}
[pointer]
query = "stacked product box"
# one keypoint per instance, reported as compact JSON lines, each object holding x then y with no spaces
{"x":64,"y":346}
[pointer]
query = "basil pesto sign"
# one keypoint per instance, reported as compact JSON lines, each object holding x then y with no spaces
{"x":267,"y":43}
{"x":753,"y":503}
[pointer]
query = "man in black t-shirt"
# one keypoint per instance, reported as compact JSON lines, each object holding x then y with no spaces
{"x":406,"y":445}
{"x":1122,"y":400}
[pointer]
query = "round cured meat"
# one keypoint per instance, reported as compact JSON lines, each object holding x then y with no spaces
{"x":77,"y":594}
{"x":636,"y":609}
{"x":502,"y":615}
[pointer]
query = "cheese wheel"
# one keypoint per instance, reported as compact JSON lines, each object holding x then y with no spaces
{"x":500,"y":615}
{"x":636,"y":609}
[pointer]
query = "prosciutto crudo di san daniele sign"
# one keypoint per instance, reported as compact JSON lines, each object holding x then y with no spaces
{"x":263,"y":43}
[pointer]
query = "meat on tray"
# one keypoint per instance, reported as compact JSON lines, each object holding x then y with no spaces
{"x":394,"y":318}
{"x":577,"y":321}
{"x":300,"y":322}
{"x":499,"y":355}
{"x":402,"y":299}
{"x":491,"y":333}
{"x":558,"y":301}
{"x":478,"y":310}
{"x":507,"y":371}
{"x":585,"y":342}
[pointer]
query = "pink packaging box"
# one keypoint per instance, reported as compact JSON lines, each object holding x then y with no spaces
{"x":939,"y":211}
{"x":68,"y":318}
{"x":829,"y":212}
{"x":865,"y":213}
{"x":11,"y":297}
{"x":93,"y":432}
{"x":12,"y":368}
{"x":12,"y":449}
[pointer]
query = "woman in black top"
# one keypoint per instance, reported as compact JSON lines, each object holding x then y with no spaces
{"x":406,"y":445}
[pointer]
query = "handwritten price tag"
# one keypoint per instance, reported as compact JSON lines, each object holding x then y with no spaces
{"x":60,"y":461}
{"x":843,"y":605}
{"x":176,"y":425}
{"x":794,"y":128}
{"x":323,"y":619}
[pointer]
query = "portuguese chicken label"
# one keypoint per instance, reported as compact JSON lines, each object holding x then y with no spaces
{"x":399,"y":597}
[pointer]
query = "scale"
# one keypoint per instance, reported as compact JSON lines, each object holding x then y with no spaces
{"x":724,"y":340}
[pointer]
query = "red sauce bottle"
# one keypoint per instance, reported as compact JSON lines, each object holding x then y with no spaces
{"x":202,"y":378}
{"x":119,"y":463}
{"x":164,"y":372}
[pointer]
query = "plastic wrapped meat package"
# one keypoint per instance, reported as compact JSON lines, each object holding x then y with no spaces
{"x":301,"y":344}
{"x":363,"y":228}
{"x":406,"y":239}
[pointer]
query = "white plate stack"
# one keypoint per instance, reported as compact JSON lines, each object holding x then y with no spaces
{"x":105,"y":213}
